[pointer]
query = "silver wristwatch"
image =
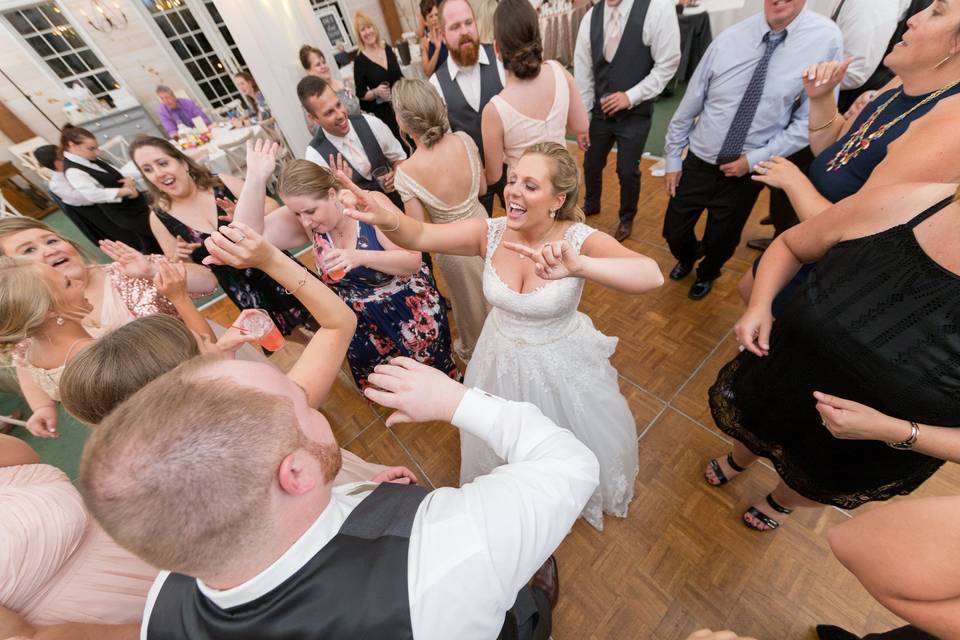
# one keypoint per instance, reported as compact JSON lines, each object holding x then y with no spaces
{"x":907,"y":444}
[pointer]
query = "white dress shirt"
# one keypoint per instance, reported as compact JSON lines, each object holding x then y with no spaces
{"x":867,"y":26}
{"x":661,"y":32}
{"x":468,"y":77}
{"x":390,"y":146}
{"x":85,"y":184}
{"x":62,"y":188}
{"x":473,"y":548}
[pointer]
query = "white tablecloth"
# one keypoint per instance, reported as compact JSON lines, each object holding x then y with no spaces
{"x":726,"y":13}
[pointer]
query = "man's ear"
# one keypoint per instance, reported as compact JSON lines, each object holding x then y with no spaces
{"x":296,"y":475}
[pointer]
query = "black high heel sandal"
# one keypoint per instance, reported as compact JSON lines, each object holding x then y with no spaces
{"x":767,"y":521}
{"x":718,"y":471}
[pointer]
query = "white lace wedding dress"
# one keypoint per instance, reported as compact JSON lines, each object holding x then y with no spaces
{"x":536,"y":347}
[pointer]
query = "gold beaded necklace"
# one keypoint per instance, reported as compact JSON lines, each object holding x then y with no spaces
{"x":860,"y":141}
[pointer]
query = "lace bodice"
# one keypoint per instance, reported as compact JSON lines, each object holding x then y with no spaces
{"x":541,"y":315}
{"x":520,"y":130}
{"x":441,"y":212}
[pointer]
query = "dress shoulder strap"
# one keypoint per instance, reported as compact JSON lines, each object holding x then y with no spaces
{"x":475,"y":164}
{"x":405,"y":185}
{"x":561,"y":97}
{"x":495,"y":227}
{"x":577,"y":234}
{"x":930,"y":211}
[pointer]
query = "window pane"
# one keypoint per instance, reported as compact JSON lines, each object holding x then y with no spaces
{"x":205,"y":68}
{"x":219,"y":88}
{"x":189,"y":20}
{"x":240,"y":60}
{"x":177,"y":23}
{"x":180,"y":49}
{"x":203,"y":42}
{"x":90,"y":58}
{"x":72,"y":38}
{"x":36,"y":18}
{"x":217,"y":65}
{"x":107,"y":80}
{"x":75,"y":63}
{"x":20,"y":23}
{"x":53,"y":14}
{"x":192,"y":46}
{"x":151,"y":5}
{"x":165,"y":27}
{"x":194,"y":71}
{"x":91,"y":83}
{"x":208,"y":91}
{"x":40,"y":46}
{"x":57,"y":43}
{"x":212,"y":10}
{"x":59,"y":68}
{"x":227,"y":36}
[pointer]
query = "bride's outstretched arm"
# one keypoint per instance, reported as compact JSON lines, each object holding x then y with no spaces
{"x":463,"y":238}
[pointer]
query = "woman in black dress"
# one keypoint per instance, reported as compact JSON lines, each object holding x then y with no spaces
{"x":375,"y":71}
{"x":875,"y":326}
{"x":189,"y":204}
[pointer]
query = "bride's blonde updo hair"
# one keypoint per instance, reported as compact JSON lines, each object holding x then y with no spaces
{"x":305,"y":178}
{"x":420,"y":110}
{"x":565,"y":178}
{"x":27,"y":298}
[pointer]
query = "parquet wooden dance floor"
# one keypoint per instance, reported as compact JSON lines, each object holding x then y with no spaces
{"x":682,"y":559}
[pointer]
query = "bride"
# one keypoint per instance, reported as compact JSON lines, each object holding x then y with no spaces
{"x":535,"y":346}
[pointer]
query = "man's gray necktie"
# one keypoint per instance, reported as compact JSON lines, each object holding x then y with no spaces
{"x":732,"y":147}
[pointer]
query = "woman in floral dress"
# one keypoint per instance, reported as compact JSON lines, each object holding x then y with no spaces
{"x":399,"y":310}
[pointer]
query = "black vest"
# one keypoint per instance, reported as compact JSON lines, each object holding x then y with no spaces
{"x":129,"y":213}
{"x":632,"y":63}
{"x":371,"y":147}
{"x":355,"y":587}
{"x":462,"y":116}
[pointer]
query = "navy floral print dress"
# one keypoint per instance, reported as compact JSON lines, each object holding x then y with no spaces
{"x":396,"y":315}
{"x":247,"y":288}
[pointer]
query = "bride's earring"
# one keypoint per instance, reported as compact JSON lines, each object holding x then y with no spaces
{"x":60,"y":321}
{"x":553,"y":214}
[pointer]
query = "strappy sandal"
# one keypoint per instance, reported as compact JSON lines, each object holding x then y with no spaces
{"x":767,"y":521}
{"x":718,"y":471}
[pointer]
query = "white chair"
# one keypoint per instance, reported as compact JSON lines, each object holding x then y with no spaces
{"x":234,"y":105}
{"x":23,"y":152}
{"x":7,"y":210}
{"x":236,"y":153}
{"x":116,"y":150}
{"x":272,"y":130}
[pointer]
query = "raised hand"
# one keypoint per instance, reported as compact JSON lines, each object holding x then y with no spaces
{"x":133,"y":263}
{"x":371,"y":207}
{"x":777,"y":172}
{"x":552,"y":261}
{"x":821,"y":79}
{"x":238,"y":246}
{"x":753,"y":330}
{"x":229,"y":208}
{"x":185,"y":250}
{"x":171,"y":280}
{"x":338,"y":165}
{"x":418,"y":393}
{"x":261,"y":158}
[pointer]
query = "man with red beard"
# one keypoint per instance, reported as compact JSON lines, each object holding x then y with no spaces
{"x":468,"y":79}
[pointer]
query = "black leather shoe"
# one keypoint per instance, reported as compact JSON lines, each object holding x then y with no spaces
{"x":624,"y":229}
{"x":830,"y":632}
{"x":681,"y":271}
{"x":700,"y":289}
{"x":547,"y":579}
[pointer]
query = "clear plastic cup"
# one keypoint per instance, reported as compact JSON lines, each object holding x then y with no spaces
{"x":260,"y":326}
{"x":381,"y":174}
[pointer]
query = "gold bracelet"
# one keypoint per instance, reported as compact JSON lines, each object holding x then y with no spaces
{"x":832,"y":120}
{"x":300,"y":284}
{"x":397,"y":227}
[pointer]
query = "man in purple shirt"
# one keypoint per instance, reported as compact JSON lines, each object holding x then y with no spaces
{"x":174,"y":110}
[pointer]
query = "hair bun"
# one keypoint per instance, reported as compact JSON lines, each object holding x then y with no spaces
{"x":525,"y":62}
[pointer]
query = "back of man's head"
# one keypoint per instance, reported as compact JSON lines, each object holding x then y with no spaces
{"x":182,"y":473}
{"x":47,"y":156}
{"x":310,"y":87}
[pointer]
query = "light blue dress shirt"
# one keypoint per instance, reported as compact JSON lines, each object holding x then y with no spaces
{"x":720,"y":80}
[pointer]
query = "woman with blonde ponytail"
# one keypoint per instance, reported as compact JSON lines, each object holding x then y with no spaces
{"x":535,"y":346}
{"x":40,"y":314}
{"x":449,"y":195}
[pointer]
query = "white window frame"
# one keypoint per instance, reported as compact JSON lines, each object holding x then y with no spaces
{"x":78,"y":27}
{"x":210,"y":31}
{"x":325,"y":8}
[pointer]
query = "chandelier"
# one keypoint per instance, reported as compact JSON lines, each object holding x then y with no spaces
{"x":105,"y":17}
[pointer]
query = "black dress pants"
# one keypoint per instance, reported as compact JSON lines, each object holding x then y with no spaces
{"x":782,"y":214}
{"x":728,"y":202}
{"x":629,"y":130}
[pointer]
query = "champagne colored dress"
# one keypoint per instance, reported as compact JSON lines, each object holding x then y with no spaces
{"x":463,"y":274}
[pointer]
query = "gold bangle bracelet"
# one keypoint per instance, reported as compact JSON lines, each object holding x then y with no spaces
{"x":300,"y":285}
{"x":396,"y":227}
{"x":830,"y":122}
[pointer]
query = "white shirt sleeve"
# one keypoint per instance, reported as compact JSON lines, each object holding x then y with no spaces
{"x":89,"y":188}
{"x":661,"y":32}
{"x":583,"y":63}
{"x":691,"y":106}
{"x":473,"y":548}
{"x":436,"y":85}
{"x":867,"y":26}
{"x":391,"y":147}
{"x":315,"y":157}
{"x":62,"y":188}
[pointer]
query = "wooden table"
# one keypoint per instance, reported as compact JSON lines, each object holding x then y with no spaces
{"x":22,"y":195}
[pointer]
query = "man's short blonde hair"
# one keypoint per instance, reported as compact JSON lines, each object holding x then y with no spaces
{"x":182,"y":472}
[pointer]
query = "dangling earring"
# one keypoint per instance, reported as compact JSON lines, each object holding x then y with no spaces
{"x":60,"y":321}
{"x":553,"y":214}
{"x":942,"y":62}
